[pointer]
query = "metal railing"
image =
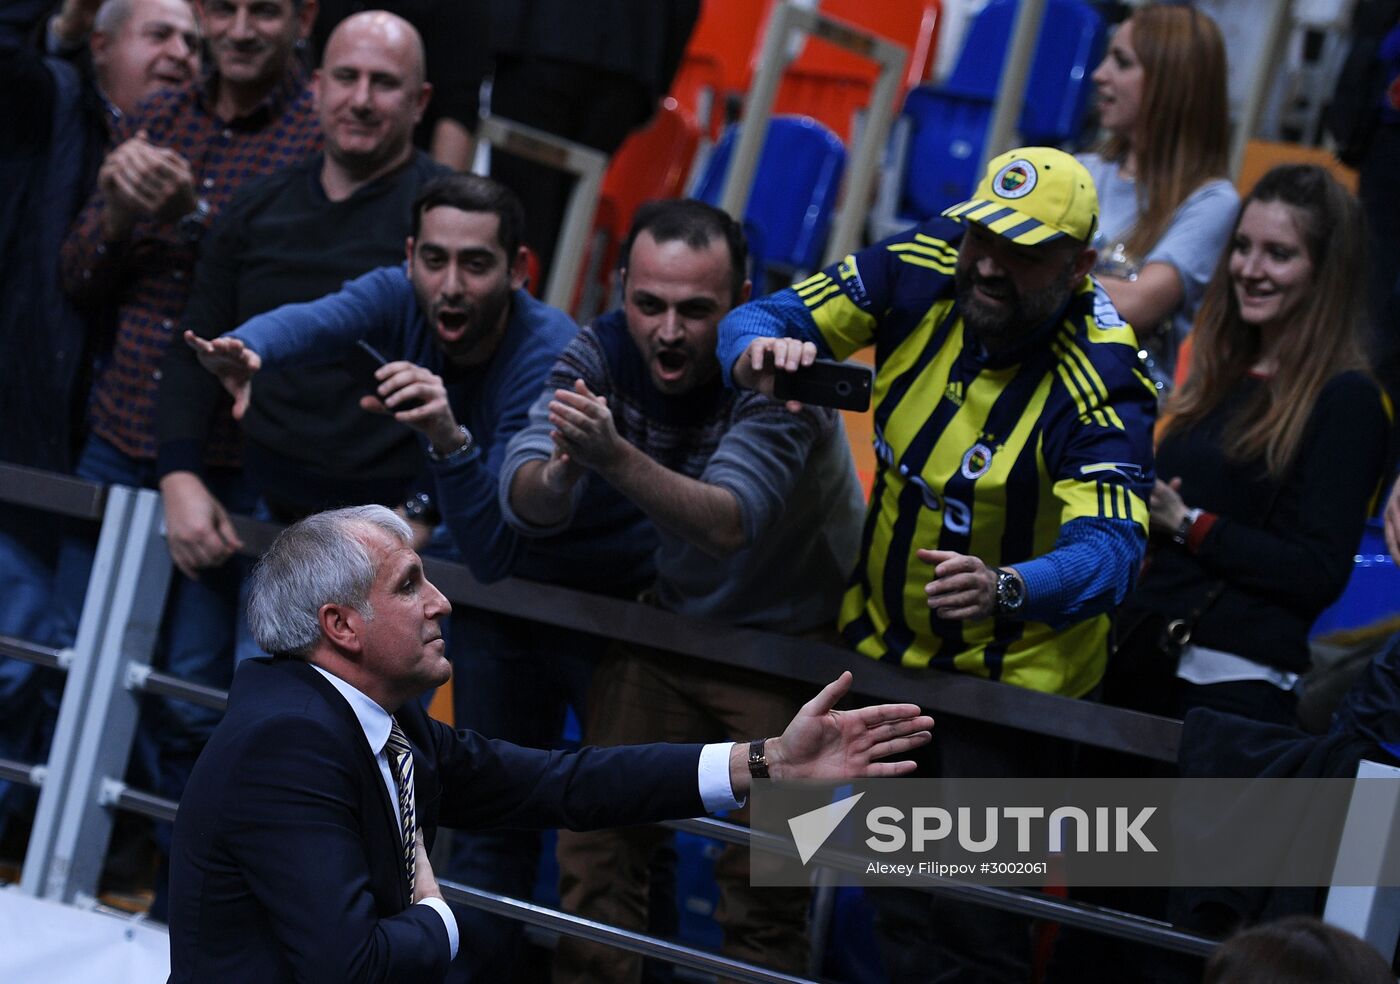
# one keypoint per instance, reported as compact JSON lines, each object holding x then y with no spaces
{"x":109,"y":667}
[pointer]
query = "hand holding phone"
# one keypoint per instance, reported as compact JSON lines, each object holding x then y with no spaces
{"x":827,"y":383}
{"x":364,"y":360}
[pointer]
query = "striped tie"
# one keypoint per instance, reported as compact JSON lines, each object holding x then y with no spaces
{"x":401,"y":765}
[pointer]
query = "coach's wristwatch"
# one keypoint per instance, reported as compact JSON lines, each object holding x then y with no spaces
{"x":758,"y":758}
{"x":1011,"y":592}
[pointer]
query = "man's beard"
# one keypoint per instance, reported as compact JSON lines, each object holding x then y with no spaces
{"x":482,"y":319}
{"x":1002,"y":328}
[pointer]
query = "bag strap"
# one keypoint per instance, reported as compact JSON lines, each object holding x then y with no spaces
{"x":1179,"y":630}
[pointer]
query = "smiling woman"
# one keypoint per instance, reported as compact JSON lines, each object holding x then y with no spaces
{"x":1268,"y":464}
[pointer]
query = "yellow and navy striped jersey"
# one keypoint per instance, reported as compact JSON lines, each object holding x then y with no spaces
{"x":996,"y":458}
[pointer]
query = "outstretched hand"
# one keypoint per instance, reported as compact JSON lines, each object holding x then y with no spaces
{"x":232,"y":362}
{"x":824,"y":743}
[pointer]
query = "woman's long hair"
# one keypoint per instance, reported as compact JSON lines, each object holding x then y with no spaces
{"x":1322,"y":338}
{"x":1181,"y":138}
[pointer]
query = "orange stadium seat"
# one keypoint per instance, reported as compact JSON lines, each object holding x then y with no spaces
{"x":718,"y":59}
{"x":832,"y":84}
{"x":654,"y":162}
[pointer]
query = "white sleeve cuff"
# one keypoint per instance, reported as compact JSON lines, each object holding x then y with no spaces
{"x":716,"y":791}
{"x":448,"y":920}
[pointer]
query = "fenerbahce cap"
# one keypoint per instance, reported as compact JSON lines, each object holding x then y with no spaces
{"x":1033,"y":195}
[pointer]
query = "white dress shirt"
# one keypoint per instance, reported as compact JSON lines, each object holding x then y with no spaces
{"x":376,"y":723}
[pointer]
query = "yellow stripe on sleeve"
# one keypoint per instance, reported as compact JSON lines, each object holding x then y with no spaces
{"x":844,"y":327}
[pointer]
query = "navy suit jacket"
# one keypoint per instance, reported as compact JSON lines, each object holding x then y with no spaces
{"x":286,"y":864}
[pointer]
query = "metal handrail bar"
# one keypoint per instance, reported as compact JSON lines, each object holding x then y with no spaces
{"x":1064,"y":911}
{"x":586,"y":164}
{"x":32,"y":652}
{"x":51,"y":492}
{"x":596,"y":932}
{"x":119,"y":794}
{"x":785,"y":21}
{"x":21,"y":772}
{"x":776,"y":655}
{"x":1037,"y":905}
{"x":1011,"y":86}
{"x":140,"y":677}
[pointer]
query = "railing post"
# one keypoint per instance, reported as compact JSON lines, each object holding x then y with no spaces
{"x":587,"y":164}
{"x":758,"y":110}
{"x":1372,"y":912}
{"x":111,"y":542}
{"x":1011,"y":88}
{"x":96,"y":733}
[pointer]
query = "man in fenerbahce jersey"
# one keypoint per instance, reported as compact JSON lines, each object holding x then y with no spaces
{"x":1013,"y":431}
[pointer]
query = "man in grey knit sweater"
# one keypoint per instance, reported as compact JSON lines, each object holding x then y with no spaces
{"x":758,"y":511}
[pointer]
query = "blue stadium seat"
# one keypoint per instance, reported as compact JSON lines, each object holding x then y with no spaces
{"x":1372,"y":595}
{"x":944,"y":127}
{"x":794,"y":193}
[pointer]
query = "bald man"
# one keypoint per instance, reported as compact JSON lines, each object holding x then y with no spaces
{"x":295,"y":236}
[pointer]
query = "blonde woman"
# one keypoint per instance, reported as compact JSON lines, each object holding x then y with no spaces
{"x":1166,"y":209}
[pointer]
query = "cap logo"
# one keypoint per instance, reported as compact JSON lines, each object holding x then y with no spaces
{"x":1015,"y":180}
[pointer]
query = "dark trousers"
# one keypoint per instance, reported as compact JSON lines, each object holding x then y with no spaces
{"x":641,"y":695}
{"x":1083,"y":957}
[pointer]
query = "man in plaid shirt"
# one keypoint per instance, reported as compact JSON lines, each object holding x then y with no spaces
{"x":130,"y":259}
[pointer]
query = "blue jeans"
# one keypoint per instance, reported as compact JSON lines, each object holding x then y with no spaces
{"x":28,"y":694}
{"x":511,"y":679}
{"x":197,"y":631}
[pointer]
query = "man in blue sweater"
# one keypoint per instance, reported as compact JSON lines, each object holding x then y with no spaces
{"x":468,"y":350}
{"x":758,"y":515}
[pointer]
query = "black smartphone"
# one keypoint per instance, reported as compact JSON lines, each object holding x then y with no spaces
{"x":826,"y":383}
{"x":363,"y":360}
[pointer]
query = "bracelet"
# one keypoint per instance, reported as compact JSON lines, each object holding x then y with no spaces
{"x":1184,"y":529}
{"x":1200,"y":529}
{"x":758,"y":759}
{"x":467,"y":444}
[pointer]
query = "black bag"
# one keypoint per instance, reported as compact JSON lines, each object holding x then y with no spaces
{"x":1144,"y":650}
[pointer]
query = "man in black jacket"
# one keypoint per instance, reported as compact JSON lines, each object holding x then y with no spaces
{"x":300,"y":849}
